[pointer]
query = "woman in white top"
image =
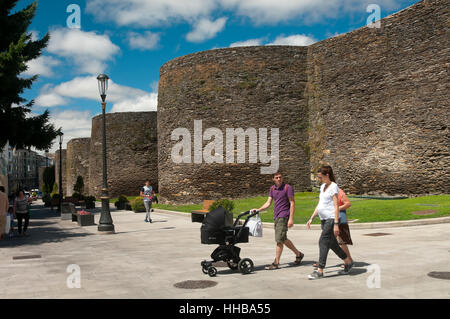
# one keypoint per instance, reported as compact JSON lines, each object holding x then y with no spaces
{"x":328,"y":210}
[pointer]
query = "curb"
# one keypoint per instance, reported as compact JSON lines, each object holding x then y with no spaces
{"x":400,"y":223}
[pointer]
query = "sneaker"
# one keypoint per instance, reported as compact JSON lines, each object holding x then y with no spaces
{"x":150,"y":221}
{"x":315,"y":275}
{"x":146,"y":220}
{"x":347,"y":269}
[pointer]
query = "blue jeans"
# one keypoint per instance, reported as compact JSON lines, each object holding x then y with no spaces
{"x":343,"y":217}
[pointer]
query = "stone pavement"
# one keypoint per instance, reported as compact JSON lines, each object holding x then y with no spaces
{"x":145,"y":261}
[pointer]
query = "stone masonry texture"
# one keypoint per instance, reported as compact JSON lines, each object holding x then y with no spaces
{"x":77,"y":163}
{"x":254,"y":87}
{"x":372,"y":103}
{"x":131,"y":153}
{"x":379,"y":103}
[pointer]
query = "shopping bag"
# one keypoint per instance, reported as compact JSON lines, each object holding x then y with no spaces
{"x":255,"y":226}
{"x":8,"y":224}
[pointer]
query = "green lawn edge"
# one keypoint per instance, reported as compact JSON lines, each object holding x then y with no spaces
{"x":362,"y":210}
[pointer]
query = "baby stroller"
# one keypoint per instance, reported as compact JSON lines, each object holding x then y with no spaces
{"x":218,"y":228}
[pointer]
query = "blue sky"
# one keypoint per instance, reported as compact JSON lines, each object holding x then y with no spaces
{"x":131,"y":39}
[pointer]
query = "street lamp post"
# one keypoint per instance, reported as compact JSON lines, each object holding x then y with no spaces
{"x":106,"y":225}
{"x":60,"y":170}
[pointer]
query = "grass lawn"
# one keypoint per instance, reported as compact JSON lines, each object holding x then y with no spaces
{"x":365,"y":210}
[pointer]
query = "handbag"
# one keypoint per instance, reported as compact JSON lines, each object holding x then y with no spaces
{"x":254,"y":225}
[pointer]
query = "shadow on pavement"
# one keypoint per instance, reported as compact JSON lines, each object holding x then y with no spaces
{"x":42,"y":230}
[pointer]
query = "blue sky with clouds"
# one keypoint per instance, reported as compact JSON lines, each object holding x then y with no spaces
{"x":131,"y":39}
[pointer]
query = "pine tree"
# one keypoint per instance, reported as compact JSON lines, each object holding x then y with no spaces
{"x":16,"y":50}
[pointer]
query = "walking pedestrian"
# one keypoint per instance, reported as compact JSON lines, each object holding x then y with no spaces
{"x":328,"y":211}
{"x":22,"y":213}
{"x":4,"y":205}
{"x":147,"y":193}
{"x":344,"y":237}
{"x":284,"y":206}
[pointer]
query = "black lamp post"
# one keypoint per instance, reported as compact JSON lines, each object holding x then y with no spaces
{"x":60,"y":170}
{"x":106,"y":225}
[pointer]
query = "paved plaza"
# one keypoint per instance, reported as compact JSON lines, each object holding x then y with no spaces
{"x":145,"y":261}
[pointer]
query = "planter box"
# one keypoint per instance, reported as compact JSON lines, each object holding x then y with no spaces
{"x":67,"y":210}
{"x":85,"y":220}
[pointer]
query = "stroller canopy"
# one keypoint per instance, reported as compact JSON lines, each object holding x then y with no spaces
{"x":218,"y":219}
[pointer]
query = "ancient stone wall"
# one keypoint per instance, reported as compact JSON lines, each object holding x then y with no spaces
{"x":131,"y":153}
{"x":78,"y":163}
{"x":379,"y":103}
{"x":63,"y":169}
{"x":236,"y":88}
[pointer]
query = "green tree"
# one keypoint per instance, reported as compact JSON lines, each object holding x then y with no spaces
{"x":49,"y":179}
{"x":16,"y":50}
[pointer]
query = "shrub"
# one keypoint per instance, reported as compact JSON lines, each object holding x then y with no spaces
{"x":78,"y":196}
{"x":90,"y":202}
{"x":121,"y":202}
{"x":225,"y":203}
{"x":138,"y":205}
{"x":47,"y":200}
{"x":79,"y":185}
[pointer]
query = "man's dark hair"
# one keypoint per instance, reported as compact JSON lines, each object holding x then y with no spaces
{"x":2,"y":189}
{"x":276,"y":174}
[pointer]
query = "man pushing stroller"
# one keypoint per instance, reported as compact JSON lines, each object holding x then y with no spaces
{"x":283,"y":196}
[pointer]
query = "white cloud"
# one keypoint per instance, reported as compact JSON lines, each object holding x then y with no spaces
{"x":270,"y":11}
{"x":65,"y":120}
{"x":206,"y":29}
{"x":50,"y":99}
{"x":147,"y":13}
{"x":88,"y":50}
{"x":42,"y":66}
{"x":34,"y":35}
{"x":123,"y":98}
{"x":147,"y":41}
{"x":151,"y":13}
{"x":144,"y":103}
{"x":247,"y":43}
{"x":297,"y":39}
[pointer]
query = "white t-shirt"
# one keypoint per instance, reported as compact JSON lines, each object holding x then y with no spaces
{"x":325,"y":207}
{"x":147,"y":193}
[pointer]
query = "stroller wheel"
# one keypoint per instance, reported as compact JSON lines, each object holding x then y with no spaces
{"x":232,"y":265}
{"x":212,"y":271}
{"x":245,"y":266}
{"x":205,"y":270}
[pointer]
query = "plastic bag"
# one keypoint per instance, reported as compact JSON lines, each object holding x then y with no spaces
{"x":8,"y":224}
{"x":255,"y":226}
